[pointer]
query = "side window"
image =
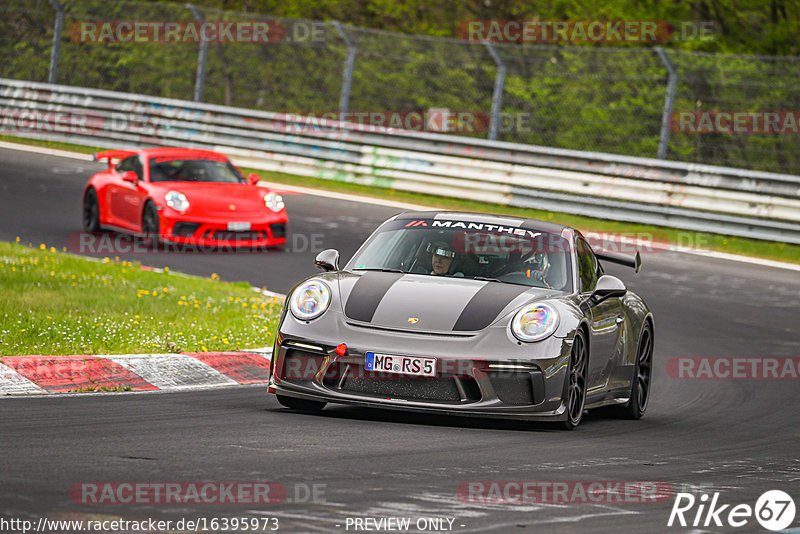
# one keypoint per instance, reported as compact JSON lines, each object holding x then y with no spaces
{"x":132,"y":163}
{"x":588,"y":266}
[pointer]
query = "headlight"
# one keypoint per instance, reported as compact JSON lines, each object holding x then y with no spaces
{"x":534,"y":322}
{"x":310,"y":300}
{"x":177,"y":201}
{"x":273,"y":201}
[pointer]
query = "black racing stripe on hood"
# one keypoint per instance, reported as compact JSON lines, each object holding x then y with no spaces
{"x":482,"y":309}
{"x":367,"y":293}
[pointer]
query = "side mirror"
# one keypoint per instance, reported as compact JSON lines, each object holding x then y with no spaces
{"x":608,"y":286}
{"x":130,"y":176}
{"x":253,"y":178}
{"x":328,"y":260}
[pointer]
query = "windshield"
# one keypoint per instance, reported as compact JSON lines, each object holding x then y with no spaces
{"x":469,"y":250}
{"x":169,"y":169}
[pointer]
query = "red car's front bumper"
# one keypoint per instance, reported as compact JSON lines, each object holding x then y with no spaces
{"x":263,"y":232}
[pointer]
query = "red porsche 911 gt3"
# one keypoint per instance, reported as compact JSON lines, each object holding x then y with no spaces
{"x":182,"y":195}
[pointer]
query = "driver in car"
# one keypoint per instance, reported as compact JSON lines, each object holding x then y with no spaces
{"x":442,"y":256}
{"x":537,"y":266}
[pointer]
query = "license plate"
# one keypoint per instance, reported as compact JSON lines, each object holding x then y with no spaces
{"x":238,"y":226}
{"x":403,"y":365}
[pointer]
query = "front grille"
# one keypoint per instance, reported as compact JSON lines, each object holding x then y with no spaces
{"x":223,"y":235}
{"x":278,"y":230}
{"x":185,"y":229}
{"x":433,"y":389}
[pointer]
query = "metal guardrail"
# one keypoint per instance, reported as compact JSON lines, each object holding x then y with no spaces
{"x":695,"y":197}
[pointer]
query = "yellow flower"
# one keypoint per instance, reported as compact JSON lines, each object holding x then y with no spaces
{"x":23,"y":330}
{"x":166,"y":269}
{"x":17,"y":239}
{"x":106,"y":260}
{"x":214,"y":276}
{"x":42,"y":247}
{"x":52,"y":249}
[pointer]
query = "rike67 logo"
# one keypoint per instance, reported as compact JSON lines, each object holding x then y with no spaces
{"x":774,"y":510}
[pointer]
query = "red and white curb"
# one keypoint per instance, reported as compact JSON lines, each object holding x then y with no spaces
{"x":31,"y":375}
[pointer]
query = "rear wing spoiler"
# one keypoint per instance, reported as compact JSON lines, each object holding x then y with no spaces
{"x":635,"y":262}
{"x":112,"y":155}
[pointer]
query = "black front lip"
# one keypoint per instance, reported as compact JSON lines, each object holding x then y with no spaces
{"x":472,"y":410}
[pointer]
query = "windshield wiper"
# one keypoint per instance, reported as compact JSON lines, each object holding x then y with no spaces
{"x":381,"y":269}
{"x":487,"y":279}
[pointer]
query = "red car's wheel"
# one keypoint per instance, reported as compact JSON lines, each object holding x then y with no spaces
{"x":91,"y":212}
{"x":150,"y":225}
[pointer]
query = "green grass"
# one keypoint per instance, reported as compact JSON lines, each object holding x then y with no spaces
{"x":57,"y":304}
{"x":51,"y":144}
{"x":699,"y":240}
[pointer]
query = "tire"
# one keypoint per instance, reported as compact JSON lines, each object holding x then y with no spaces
{"x":576,"y":381}
{"x":642,"y":379}
{"x":91,"y":212}
{"x":150,"y":225}
{"x":301,"y":405}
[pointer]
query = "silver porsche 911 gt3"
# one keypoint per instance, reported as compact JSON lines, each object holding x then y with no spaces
{"x":467,"y":314}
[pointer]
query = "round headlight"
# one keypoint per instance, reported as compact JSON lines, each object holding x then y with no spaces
{"x":177,"y":201}
{"x":273,"y":201}
{"x":534,"y":322}
{"x":310,"y":300}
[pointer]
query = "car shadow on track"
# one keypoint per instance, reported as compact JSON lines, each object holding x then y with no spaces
{"x":334,"y":412}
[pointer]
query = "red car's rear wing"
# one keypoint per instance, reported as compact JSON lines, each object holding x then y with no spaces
{"x":113,"y":154}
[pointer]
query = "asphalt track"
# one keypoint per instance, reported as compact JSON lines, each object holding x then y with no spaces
{"x":736,"y":437}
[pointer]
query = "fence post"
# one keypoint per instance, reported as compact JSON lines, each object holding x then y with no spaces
{"x":349,"y":63}
{"x":497,"y":94}
{"x":202,"y":58}
{"x":57,"y":29}
{"x":669,"y":102}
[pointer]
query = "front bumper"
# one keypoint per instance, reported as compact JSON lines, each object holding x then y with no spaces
{"x":482,"y":374}
{"x":264,"y":231}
